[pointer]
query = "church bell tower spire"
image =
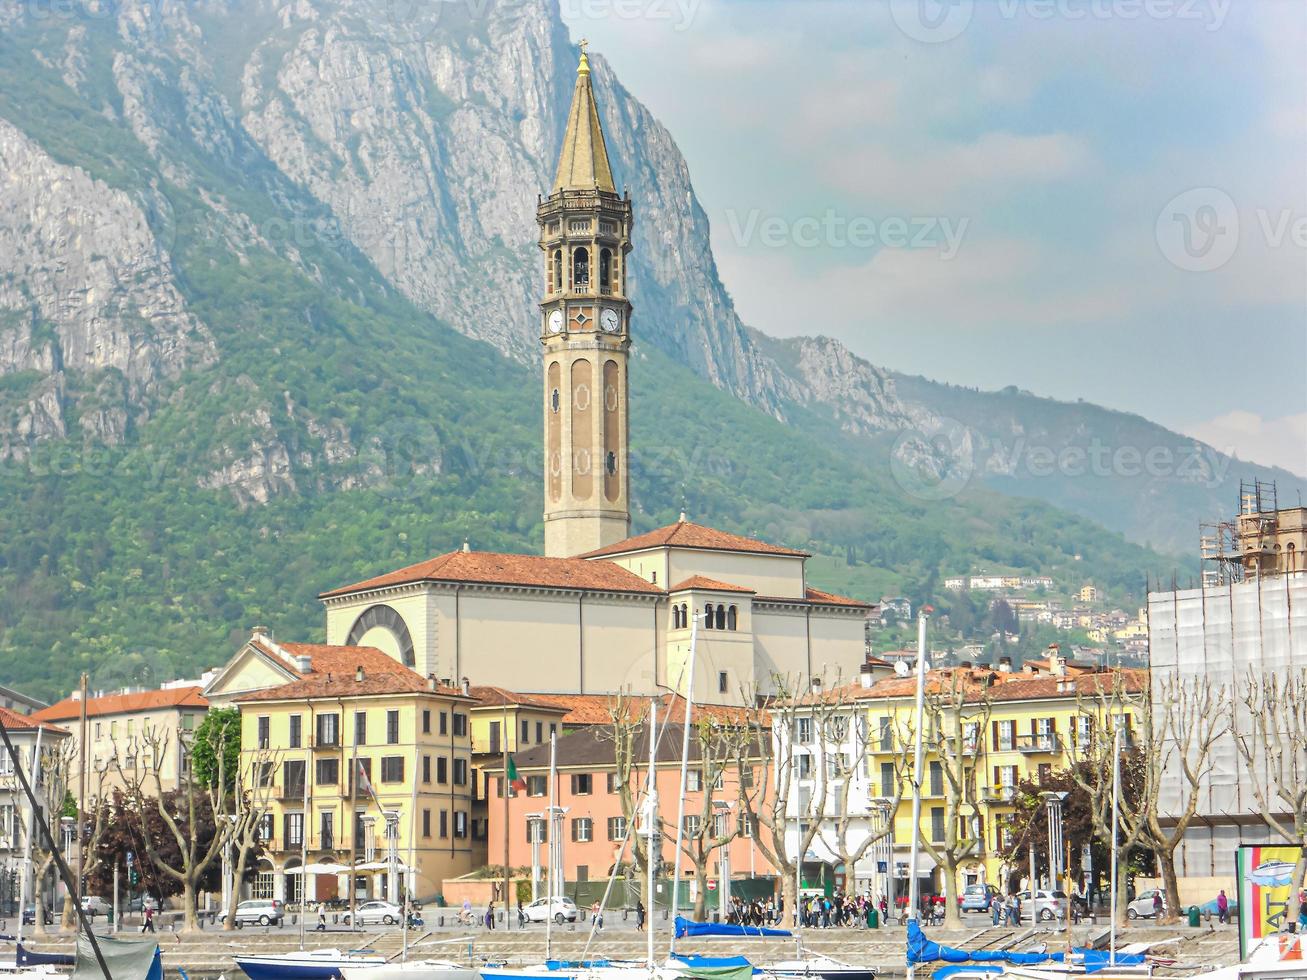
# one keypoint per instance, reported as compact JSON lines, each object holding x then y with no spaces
{"x":585,"y":235}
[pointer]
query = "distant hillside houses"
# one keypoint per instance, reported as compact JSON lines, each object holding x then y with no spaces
{"x":997,"y":583}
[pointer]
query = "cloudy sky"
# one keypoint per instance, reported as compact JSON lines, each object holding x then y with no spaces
{"x":1098,"y":199}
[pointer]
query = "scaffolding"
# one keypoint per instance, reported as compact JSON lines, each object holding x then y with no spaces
{"x":1238,"y":550}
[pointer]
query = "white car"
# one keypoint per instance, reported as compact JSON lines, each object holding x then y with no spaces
{"x":562,"y":910}
{"x":1050,"y":906}
{"x":94,"y":905}
{"x":256,"y":911}
{"x":375,"y":912}
{"x":1142,"y":906}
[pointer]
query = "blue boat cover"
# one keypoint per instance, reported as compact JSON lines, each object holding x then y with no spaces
{"x":947,"y":971}
{"x":576,"y":964}
{"x":688,"y":927}
{"x":1100,"y":959}
{"x":695,"y":960}
{"x":923,"y":950}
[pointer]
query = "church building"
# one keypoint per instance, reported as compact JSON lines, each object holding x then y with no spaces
{"x":600,"y":611}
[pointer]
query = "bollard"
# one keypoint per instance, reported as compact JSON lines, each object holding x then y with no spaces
{"x":1193,"y":916}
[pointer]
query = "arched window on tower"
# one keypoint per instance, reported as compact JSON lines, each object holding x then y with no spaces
{"x":721,"y":617}
{"x":732,"y":617}
{"x":554,"y":400}
{"x":557,"y":262}
{"x":707,"y":616}
{"x":581,"y":268}
{"x":610,"y":463}
{"x":605,"y":271}
{"x":1291,"y":557}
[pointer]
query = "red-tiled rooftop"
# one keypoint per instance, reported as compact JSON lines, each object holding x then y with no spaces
{"x":344,"y":684}
{"x":990,"y":684}
{"x":326,"y":658}
{"x":708,"y":585}
{"x":685,"y":534}
{"x":15,"y":722}
{"x":491,"y":696}
{"x":117,"y":704}
{"x":491,"y":568}
{"x":597,"y":709}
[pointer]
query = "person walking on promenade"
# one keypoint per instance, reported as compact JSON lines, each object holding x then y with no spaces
{"x":1222,"y":908}
{"x":639,"y":915}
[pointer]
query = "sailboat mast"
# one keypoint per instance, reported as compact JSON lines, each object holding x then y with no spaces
{"x":651,"y":829}
{"x":549,"y":838}
{"x":918,"y":761}
{"x":1116,"y":806}
{"x":685,"y":763}
{"x":26,"y":867}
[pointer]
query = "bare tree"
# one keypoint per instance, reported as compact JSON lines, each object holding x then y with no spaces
{"x":55,"y":766}
{"x":1269,"y":725}
{"x":1182,"y":720}
{"x":193,"y":804}
{"x":628,"y":717}
{"x":1095,"y":755}
{"x":251,"y":803}
{"x":956,"y":716}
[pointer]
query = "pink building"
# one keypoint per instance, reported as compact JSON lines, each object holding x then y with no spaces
{"x":594,"y":827}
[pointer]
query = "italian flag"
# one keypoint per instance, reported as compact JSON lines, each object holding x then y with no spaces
{"x":515,"y":781}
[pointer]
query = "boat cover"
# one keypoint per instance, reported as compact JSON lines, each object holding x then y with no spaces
{"x":126,"y":959}
{"x":688,"y":927}
{"x":923,"y":950}
{"x":27,"y":957}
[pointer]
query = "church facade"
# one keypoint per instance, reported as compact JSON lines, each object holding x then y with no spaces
{"x":601,"y":611}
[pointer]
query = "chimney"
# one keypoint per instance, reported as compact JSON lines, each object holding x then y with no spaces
{"x":431,"y":682}
{"x":864,"y":675}
{"x":467,"y":687}
{"x":1005,"y":665}
{"x":358,"y":674}
{"x":260,"y":632}
{"x":965,"y":665}
{"x":816,"y":685}
{"x":77,"y":694}
{"x":466,"y":546}
{"x":304,"y":663}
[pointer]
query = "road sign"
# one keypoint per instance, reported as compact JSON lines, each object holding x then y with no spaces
{"x":712,"y":884}
{"x":882,"y":867}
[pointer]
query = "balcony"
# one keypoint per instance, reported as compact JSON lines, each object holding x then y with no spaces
{"x":1045,"y":743}
{"x":999,"y":794}
{"x":290,"y":791}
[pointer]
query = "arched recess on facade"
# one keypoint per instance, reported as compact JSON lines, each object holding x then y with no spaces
{"x":387,"y":618}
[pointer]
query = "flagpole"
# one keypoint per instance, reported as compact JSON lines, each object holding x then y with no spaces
{"x":353,"y":814}
{"x":549,"y":837}
{"x":508,"y":919}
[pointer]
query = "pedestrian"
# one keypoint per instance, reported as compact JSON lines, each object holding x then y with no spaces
{"x":996,"y":907}
{"x":490,"y":915}
{"x":1222,"y":908}
{"x":1013,"y":910}
{"x":322,"y":918}
{"x":594,"y":915}
{"x":1158,"y":904}
{"x":521,"y":915}
{"x":639,"y":915}
{"x":1302,"y":910}
{"x":147,"y":925}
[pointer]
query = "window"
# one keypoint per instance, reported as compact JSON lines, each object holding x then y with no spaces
{"x":694,"y":780}
{"x":535,"y":786}
{"x":555,"y":401}
{"x":805,"y":731}
{"x":886,"y":733}
{"x":426,"y":823}
{"x":264,"y":737}
{"x":327,"y":830}
{"x":426,"y":725}
{"x":581,"y":268}
{"x":937,"y":823}
{"x":266,"y":829}
{"x":296,"y":731}
{"x":936,"y":780}
{"x":556,"y":260}
{"x":392,"y":727}
{"x":426,"y":771}
{"x":292,"y":778}
{"x":327,"y":772}
{"x":460,"y":772}
{"x":444,"y":723}
{"x":364,"y":766}
{"x":887,"y":779}
{"x":605,"y":269}
{"x":442,"y":770}
{"x":582,"y":784}
{"x":360,"y":728}
{"x":460,"y":823}
{"x":328,"y":731}
{"x":582,"y":830}
{"x":525,"y":734}
{"x":721,"y":825}
{"x":614,"y":783}
{"x":745,"y":824}
{"x":617,"y":828}
{"x":721,"y":617}
{"x":707,"y":616}
{"x":732,"y":618}
{"x":1045,"y":773}
{"x":1005,"y":736}
{"x":540,"y":732}
{"x":803,"y":766}
{"x":460,"y":725}
{"x":722,"y":681}
{"x":692,"y":825}
{"x":392,"y":769}
{"x":553,"y":728}
{"x":267,"y":774}
{"x":293,"y":830}
{"x":1084,"y":731}
{"x":444,"y":823}
{"x":610,"y":467}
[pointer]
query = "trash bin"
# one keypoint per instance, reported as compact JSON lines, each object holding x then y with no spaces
{"x":873,"y":917}
{"x":1194,"y":916}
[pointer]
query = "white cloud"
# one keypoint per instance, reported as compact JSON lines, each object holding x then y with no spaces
{"x":1272,"y":442}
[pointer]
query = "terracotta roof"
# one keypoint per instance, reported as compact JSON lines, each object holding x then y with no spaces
{"x":684,"y":534}
{"x":491,"y":696}
{"x":324,"y":658}
{"x":118,"y":704}
{"x":708,"y":584}
{"x":499,"y":569}
{"x":596,"y":709}
{"x":1001,"y":686}
{"x":594,"y":748}
{"x":342,"y":684}
{"x":582,"y":709}
{"x":15,"y":722}
{"x":816,"y":597}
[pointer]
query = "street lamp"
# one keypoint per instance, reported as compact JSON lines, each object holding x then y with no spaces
{"x":68,"y":826}
{"x":883,"y":808}
{"x":1053,"y":804}
{"x":534,"y":824}
{"x":723,"y":809}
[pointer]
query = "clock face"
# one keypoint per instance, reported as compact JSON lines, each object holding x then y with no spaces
{"x":610,"y":321}
{"x":556,"y":321}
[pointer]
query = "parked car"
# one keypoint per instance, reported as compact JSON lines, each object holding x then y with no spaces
{"x":1050,"y":905}
{"x":1208,"y":909}
{"x":29,"y":915}
{"x":371,"y":913}
{"x":256,"y":911}
{"x":94,"y":905}
{"x":976,"y":898}
{"x":1142,"y":906}
{"x":562,"y":910}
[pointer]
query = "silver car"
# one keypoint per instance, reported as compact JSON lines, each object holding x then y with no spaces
{"x":256,"y":911}
{"x":375,"y":913}
{"x":1050,"y":905}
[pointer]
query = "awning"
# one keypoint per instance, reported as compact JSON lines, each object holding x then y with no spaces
{"x":400,"y":868}
{"x":319,"y":868}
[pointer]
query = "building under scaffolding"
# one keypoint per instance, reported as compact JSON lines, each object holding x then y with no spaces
{"x":1248,"y":619}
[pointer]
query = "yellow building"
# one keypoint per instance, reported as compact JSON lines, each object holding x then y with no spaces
{"x":1088,"y":593}
{"x":408,"y":736}
{"x":1015,"y":728}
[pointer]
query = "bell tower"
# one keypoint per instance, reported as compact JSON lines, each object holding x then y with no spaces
{"x":585,"y":234}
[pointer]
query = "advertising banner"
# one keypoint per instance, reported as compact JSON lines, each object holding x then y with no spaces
{"x":1264,"y":875}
